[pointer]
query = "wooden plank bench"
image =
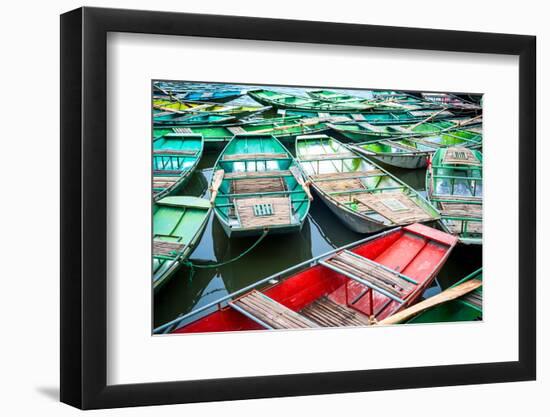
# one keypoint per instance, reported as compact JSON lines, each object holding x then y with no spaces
{"x":252,"y":156}
{"x":170,"y":152}
{"x":167,"y":249}
{"x":328,"y":156}
{"x":270,"y":314}
{"x":368,"y":270}
{"x":257,"y":174}
{"x":332,"y":176}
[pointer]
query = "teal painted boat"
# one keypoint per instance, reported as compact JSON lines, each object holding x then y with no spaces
{"x":413,"y":152}
{"x":454,"y":184}
{"x":391,"y":104}
{"x":364,"y":196}
{"x":381,"y":118}
{"x":178,"y":224}
{"x":175,"y":158}
{"x":257,"y":186}
{"x":173,"y":119}
{"x":466,"y":308}
{"x":453,"y":102}
{"x":366,"y":132}
{"x":283,"y":128}
{"x":166,"y":109}
{"x":280,"y":100}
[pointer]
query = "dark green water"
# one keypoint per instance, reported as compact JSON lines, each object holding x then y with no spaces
{"x":321,"y":233}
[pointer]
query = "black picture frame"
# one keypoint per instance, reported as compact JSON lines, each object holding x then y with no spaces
{"x":84,"y":207}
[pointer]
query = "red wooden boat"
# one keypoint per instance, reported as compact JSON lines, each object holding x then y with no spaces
{"x":355,"y":285}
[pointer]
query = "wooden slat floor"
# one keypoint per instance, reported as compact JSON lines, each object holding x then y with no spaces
{"x":327,"y":313}
{"x":281,"y":212}
{"x":395,"y":206}
{"x":271,"y":312}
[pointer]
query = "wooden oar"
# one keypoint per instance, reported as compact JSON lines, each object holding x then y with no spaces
{"x":216,"y":182}
{"x":298,"y":177}
{"x":465,"y":122}
{"x":427,"y":119}
{"x":443,"y":297}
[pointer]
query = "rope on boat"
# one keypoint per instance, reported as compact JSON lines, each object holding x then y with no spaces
{"x":193,"y":266}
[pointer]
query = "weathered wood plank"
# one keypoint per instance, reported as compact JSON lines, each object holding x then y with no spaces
{"x":271,"y":312}
{"x":443,"y":297}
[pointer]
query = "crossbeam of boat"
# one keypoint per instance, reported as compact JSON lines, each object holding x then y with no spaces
{"x":256,"y":174}
{"x":362,"y":281}
{"x":170,"y":152}
{"x":328,"y":157}
{"x":365,"y":190}
{"x":384,"y":267}
{"x":262,"y":193}
{"x":347,"y":175}
{"x":254,"y":157}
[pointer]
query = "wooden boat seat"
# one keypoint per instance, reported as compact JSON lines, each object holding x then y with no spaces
{"x":251,"y":156}
{"x":257,"y":185}
{"x":460,"y":156}
{"x":372,"y":128}
{"x":456,"y":227}
{"x":256,"y":174}
{"x":327,"y":313}
{"x":167,"y":249}
{"x":401,"y":146}
{"x":342,"y":175}
{"x":236,"y":130}
{"x":182,"y":130}
{"x":397,"y":207}
{"x":176,"y":152}
{"x":269,"y":313}
{"x":164,"y":182}
{"x":401,"y":129}
{"x":461,"y":210}
{"x":280,"y":208}
{"x":341,"y":185}
{"x":328,"y":156}
{"x":368,"y":270}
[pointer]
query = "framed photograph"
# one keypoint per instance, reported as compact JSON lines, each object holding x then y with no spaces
{"x":257,"y":208}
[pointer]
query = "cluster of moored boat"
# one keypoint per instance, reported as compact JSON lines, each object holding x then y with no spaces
{"x":278,"y":156}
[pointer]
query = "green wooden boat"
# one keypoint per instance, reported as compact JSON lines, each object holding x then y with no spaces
{"x":365,"y":131}
{"x":257,"y":186}
{"x":383,"y":117}
{"x":283,"y":128}
{"x":178,"y":224}
{"x":454,"y":185}
{"x":175,"y":158}
{"x":364,"y":196}
{"x":165,"y":110}
{"x":413,"y":152}
{"x":466,"y":308}
{"x":172,"y":119}
{"x":280,"y":100}
{"x":405,"y":103}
